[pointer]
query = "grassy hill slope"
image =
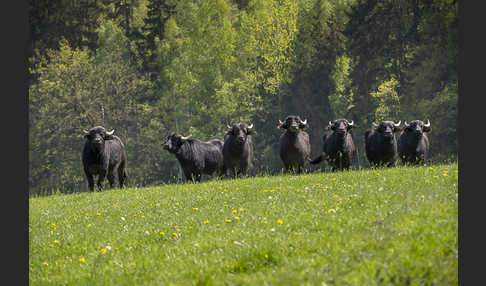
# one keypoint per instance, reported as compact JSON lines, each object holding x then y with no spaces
{"x":369,"y":227}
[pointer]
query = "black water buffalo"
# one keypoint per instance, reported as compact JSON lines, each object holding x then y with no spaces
{"x":238,"y":148}
{"x":196,"y":157}
{"x":413,"y":142}
{"x":381,"y":143}
{"x":103,"y":155}
{"x":294,"y":143}
{"x":338,"y":148}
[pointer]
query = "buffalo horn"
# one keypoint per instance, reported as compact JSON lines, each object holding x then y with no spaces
{"x":279,"y":121}
{"x":110,"y":132}
{"x":374,"y":124}
{"x":330,"y":123}
{"x":406,"y":124}
{"x":428,"y":123}
{"x":397,"y":124}
{"x":185,"y":138}
{"x":304,"y":122}
{"x":351,"y":123}
{"x":85,"y":132}
{"x":250,"y":126}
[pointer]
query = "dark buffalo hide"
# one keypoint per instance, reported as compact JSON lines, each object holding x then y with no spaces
{"x":238,"y":148}
{"x":381,"y":143}
{"x":103,"y":155}
{"x":338,"y":149}
{"x":196,"y":157}
{"x":413,"y":142}
{"x":294,"y":143}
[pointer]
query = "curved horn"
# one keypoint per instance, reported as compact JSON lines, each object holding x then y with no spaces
{"x":250,"y":126}
{"x":374,"y":124}
{"x":279,"y":121}
{"x":406,"y":124}
{"x":351,"y":123}
{"x":85,"y":132}
{"x":330,"y":123}
{"x":110,"y":132}
{"x":228,"y":127}
{"x":185,"y":138}
{"x":428,"y":123}
{"x":397,"y":124}
{"x":304,"y":122}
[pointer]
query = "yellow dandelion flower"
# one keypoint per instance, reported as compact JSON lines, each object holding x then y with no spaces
{"x":220,"y":188}
{"x":82,"y":260}
{"x":324,"y":189}
{"x":162,"y":233}
{"x":237,"y":217}
{"x":266,"y":256}
{"x":335,"y":196}
{"x":174,"y":233}
{"x":195,"y":209}
{"x":431,"y":169}
{"x":177,"y":204}
{"x":89,"y":225}
{"x":45,"y":263}
{"x":206,"y":221}
{"x":190,"y":227}
{"x":227,"y":220}
{"x":265,"y":191}
{"x":310,"y":201}
{"x":56,"y":241}
{"x":98,"y":213}
{"x":217,"y":225}
{"x":104,"y":250}
{"x":225,"y":205}
{"x":150,"y":205}
{"x":234,"y":211}
{"x":51,"y":245}
{"x":241,"y":209}
{"x":436,"y":177}
{"x":445,"y":174}
{"x":331,"y":210}
{"x":333,"y":179}
{"x":279,"y":221}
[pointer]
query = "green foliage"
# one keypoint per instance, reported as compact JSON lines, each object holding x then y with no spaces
{"x":341,"y":99}
{"x":388,"y":102}
{"x":392,"y":226}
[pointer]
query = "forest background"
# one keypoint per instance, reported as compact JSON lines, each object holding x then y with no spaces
{"x":149,"y":68}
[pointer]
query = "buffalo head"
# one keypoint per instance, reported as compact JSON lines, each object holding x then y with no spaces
{"x":341,"y":126}
{"x":174,"y":143}
{"x":417,"y":127}
{"x":240,"y":131}
{"x":293,"y":123}
{"x":96,"y":136}
{"x":387,"y":128}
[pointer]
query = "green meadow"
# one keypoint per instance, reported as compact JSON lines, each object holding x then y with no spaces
{"x":393,"y":226}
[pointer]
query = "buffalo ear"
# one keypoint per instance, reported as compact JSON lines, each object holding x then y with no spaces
{"x":251,"y":132}
{"x":426,"y":129}
{"x":109,"y":137}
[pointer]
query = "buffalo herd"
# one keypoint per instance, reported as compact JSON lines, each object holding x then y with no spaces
{"x":385,"y":143}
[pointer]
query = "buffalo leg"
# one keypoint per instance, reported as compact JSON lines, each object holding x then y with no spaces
{"x":111,"y":178}
{"x":90,"y":179}
{"x":101,"y":178}
{"x":122,"y":175}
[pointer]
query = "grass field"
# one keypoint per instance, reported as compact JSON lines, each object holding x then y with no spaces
{"x":395,"y":226}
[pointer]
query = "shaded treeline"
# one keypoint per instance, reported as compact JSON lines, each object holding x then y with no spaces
{"x":149,"y":68}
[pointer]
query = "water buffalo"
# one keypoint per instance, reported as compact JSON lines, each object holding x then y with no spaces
{"x":294,"y":143}
{"x":381,"y":143}
{"x":238,"y":148}
{"x":413,"y":142}
{"x":196,"y":157}
{"x":338,"y":149}
{"x":103,"y":155}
